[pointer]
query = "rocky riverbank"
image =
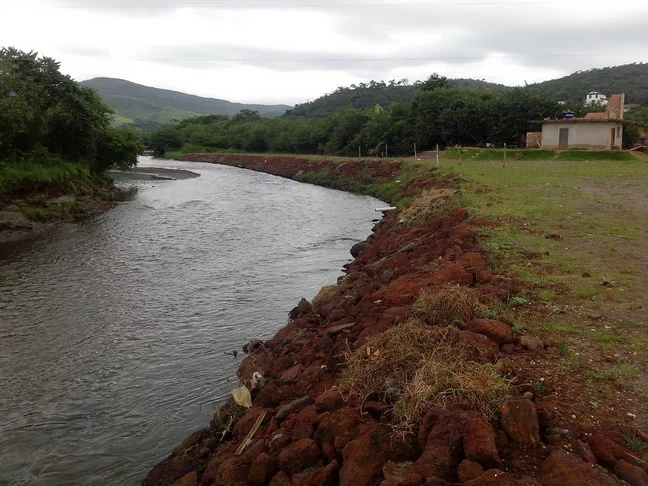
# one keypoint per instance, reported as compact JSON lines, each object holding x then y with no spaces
{"x":29,"y":213}
{"x":407,"y":371}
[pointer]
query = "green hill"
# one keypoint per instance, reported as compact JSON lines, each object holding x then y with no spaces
{"x":631,"y":79}
{"x":149,"y":108}
{"x":370,"y":94}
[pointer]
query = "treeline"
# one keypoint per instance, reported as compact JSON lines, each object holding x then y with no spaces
{"x":367,"y":95}
{"x":629,"y":79}
{"x":438,"y":113}
{"x":46,"y":117}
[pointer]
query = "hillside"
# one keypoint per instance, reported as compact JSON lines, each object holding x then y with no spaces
{"x":149,"y":107}
{"x":371,"y":94}
{"x":631,"y":79}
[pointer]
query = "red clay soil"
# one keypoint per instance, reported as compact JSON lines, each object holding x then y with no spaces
{"x":312,"y":435}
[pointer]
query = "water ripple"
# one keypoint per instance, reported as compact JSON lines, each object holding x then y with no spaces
{"x":113,"y":332}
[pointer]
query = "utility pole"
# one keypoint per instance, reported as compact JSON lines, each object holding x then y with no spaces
{"x":359,"y":156}
{"x":437,"y":155}
{"x":415,"y":151}
{"x":504,"y":155}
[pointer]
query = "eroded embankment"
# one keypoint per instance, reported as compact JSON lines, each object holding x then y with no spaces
{"x":34,"y":208}
{"x":392,"y":418}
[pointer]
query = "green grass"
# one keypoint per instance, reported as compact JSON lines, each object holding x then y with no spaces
{"x":587,"y":155}
{"x":486,"y":155}
{"x":31,"y":176}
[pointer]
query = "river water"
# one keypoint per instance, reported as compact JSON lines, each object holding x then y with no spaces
{"x":113,"y":331}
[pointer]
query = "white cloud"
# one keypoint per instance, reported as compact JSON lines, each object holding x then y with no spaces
{"x":290,"y":55}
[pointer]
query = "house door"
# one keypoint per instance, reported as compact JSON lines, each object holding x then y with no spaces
{"x":612,"y":138}
{"x":563,"y":138}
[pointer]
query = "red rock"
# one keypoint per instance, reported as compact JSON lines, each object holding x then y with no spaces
{"x":584,"y":452}
{"x":508,"y":348}
{"x":469,"y":470}
{"x":309,"y":414}
{"x":532,"y":343}
{"x":632,"y":474}
{"x":376,"y":409}
{"x":247,"y":421}
{"x":479,"y":443}
{"x":291,"y":375}
{"x":323,"y":476}
{"x":262,"y":469}
{"x":279,"y":440}
{"x":431,"y":418}
{"x":496,"y":330}
{"x":473,"y":260}
{"x":332,"y":331}
{"x":330,"y":400}
{"x":299,"y":455}
{"x":296,"y":405}
{"x":336,"y":315}
{"x":494,"y":477}
{"x":301,"y":430}
{"x":562,"y":469}
{"x":339,"y":428}
{"x":229,"y":471}
{"x":280,"y":479}
{"x":190,"y":479}
{"x":273,"y":393}
{"x":520,"y":422}
{"x":488,"y":349}
{"x":288,"y":331}
{"x":409,"y":479}
{"x":392,"y":469}
{"x":442,"y":452}
{"x":365,"y":456}
{"x":606,"y":451}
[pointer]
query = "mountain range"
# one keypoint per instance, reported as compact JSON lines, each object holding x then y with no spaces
{"x":148,"y":108}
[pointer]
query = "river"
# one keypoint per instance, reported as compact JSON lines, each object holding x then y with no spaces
{"x":113,"y":331}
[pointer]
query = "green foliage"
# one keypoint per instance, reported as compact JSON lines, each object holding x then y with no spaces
{"x":443,"y":115}
{"x":628,"y":79}
{"x":577,"y":154}
{"x":41,"y":108}
{"x":37,"y":171}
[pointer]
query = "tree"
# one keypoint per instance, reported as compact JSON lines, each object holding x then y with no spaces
{"x":41,"y":108}
{"x":435,"y":82}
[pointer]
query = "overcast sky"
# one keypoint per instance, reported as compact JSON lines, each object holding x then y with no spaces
{"x":291,"y":51}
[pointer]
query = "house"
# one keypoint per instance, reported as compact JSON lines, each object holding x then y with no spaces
{"x":594,"y":97}
{"x":595,"y":131}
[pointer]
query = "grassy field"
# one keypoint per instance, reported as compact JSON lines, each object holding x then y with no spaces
{"x":574,"y":233}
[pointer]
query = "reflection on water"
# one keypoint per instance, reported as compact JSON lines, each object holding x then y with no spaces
{"x":112,"y":332}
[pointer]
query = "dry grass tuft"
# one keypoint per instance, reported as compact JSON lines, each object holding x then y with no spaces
{"x":414,"y":365}
{"x":425,"y":204}
{"x":447,"y":304}
{"x":324,"y":294}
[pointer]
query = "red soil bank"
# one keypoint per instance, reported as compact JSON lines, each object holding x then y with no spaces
{"x":311,"y":435}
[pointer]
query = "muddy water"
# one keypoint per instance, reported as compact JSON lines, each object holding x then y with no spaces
{"x":113,"y":331}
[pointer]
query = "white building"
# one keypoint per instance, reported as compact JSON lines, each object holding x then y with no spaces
{"x":594,"y":97}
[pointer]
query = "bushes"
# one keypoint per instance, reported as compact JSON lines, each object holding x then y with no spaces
{"x":413,"y":366}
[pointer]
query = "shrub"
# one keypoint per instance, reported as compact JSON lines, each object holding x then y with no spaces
{"x":413,"y":366}
{"x":447,"y":304}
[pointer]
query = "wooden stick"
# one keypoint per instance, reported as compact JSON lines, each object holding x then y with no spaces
{"x":248,"y":438}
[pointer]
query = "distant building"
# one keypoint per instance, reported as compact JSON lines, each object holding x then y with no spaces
{"x":594,"y":97}
{"x":595,"y":131}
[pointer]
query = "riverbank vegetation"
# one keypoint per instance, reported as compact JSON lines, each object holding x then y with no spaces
{"x":438,"y":113}
{"x":55,"y":136}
